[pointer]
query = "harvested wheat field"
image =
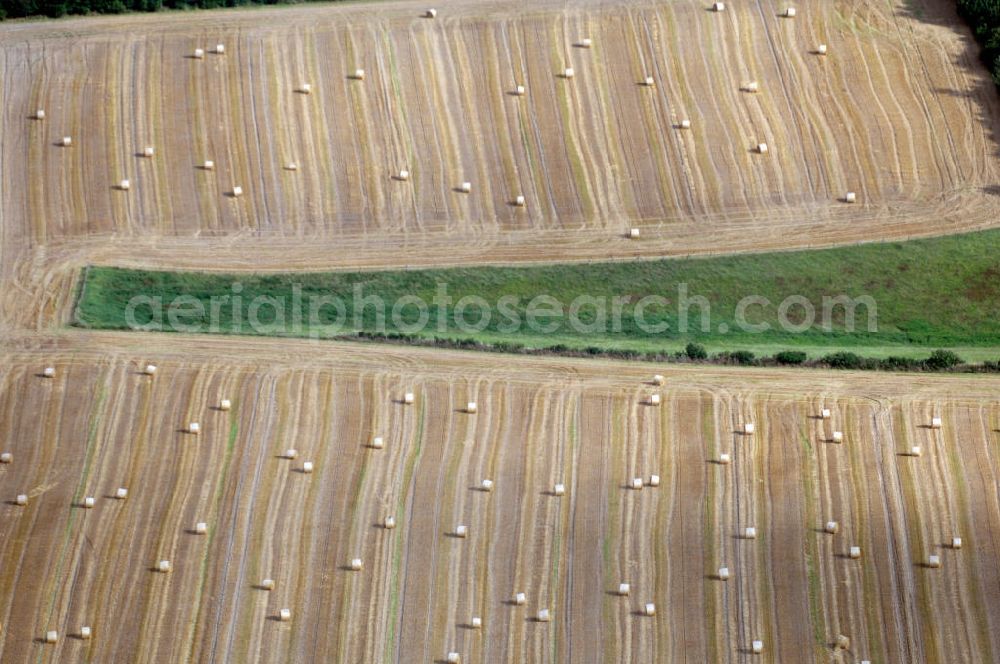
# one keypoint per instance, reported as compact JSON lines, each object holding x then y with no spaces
{"x":898,"y":111}
{"x":172,"y":542}
{"x":100,"y":424}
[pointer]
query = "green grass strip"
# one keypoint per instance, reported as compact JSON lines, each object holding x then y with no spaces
{"x":935,"y":293}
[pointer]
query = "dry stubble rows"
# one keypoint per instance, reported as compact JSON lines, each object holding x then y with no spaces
{"x":100,"y":424}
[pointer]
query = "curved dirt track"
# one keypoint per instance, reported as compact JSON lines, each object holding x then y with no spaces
{"x":100,"y":424}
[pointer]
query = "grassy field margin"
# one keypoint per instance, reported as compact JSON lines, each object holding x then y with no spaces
{"x":926,"y":294}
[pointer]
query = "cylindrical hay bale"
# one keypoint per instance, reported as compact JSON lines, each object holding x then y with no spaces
{"x":790,"y":12}
{"x":225,"y":404}
{"x":389,"y":523}
{"x":624,"y":589}
{"x":356,"y":564}
{"x":476,"y":622}
{"x":67,"y":141}
{"x":6,"y":457}
{"x":409,"y":398}
{"x":121,"y":493}
{"x":519,"y":201}
{"x":148,"y":151}
{"x":461,"y":531}
{"x":267,"y":584}
{"x":520,"y":599}
{"x":201,"y":528}
{"x":291,"y":166}
{"x":285,"y":615}
{"x":825,"y":413}
{"x":637,"y":483}
{"x":89,"y":502}
{"x":648,"y":82}
{"x":719,"y":6}
{"x":220,"y":49}
{"x":487,"y":485}
{"x":163,"y":566}
{"x":956,"y":542}
{"x":307,"y":467}
{"x":40,"y":114}
{"x":838,"y":436}
{"x":757,"y":647}
{"x":471,"y":407}
{"x":559,"y":489}
{"x":208,"y":165}
{"x":431,"y":13}
{"x":935,"y":422}
{"x":199,"y":53}
{"x":585,"y":43}
{"x":544,"y":615}
{"x":750,"y":533}
{"x":150,"y":370}
{"x":51,"y":636}
{"x":934,"y":561}
{"x":237,"y":192}
{"x":520,"y":90}
{"x":305,"y":88}
{"x":454,"y":658}
{"x":49,"y":372}
{"x":751,"y":86}
{"x":85,"y":633}
{"x":633,"y":233}
{"x":654,"y":480}
{"x":21,"y":499}
{"x":650,"y":609}
{"x":654,"y":399}
{"x":855,"y":552}
{"x":724,"y":458}
{"x":821,"y":49}
{"x":749,"y":428}
{"x":843,"y":642}
{"x":359,"y":75}
{"x":685,"y":124}
{"x":723,"y":573}
{"x":194,"y":428}
{"x":832,"y":527}
{"x":659,"y":380}
{"x":568,"y":72}
{"x":403,"y":175}
{"x":291,"y":453}
{"x":378,"y":442}
{"x":762,"y":148}
{"x":851,"y":197}
{"x":466,"y":187}
{"x":124,"y":185}
{"x":915,"y":451}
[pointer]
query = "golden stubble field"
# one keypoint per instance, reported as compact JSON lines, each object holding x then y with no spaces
{"x":898,"y":111}
{"x":100,"y":424}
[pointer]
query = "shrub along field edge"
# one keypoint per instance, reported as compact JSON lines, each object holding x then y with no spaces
{"x":983,"y":16}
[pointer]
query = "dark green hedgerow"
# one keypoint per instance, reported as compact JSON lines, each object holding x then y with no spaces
{"x":983,"y":16}
{"x":934,"y":363}
{"x":58,"y":8}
